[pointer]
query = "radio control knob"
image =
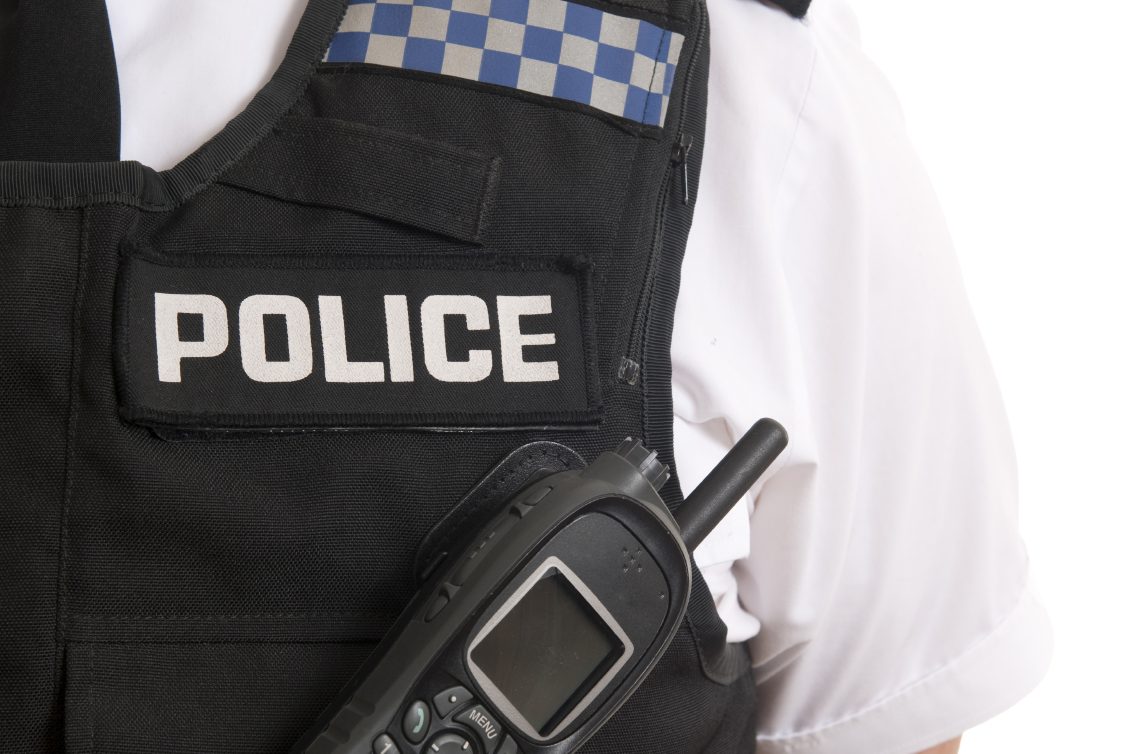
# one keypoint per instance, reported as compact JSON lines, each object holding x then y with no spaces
{"x":450,"y":743}
{"x":645,"y":460}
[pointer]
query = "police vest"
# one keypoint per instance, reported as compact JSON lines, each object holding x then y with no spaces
{"x":240,"y":399}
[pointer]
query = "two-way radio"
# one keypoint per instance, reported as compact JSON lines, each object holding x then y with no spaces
{"x":532,"y":637}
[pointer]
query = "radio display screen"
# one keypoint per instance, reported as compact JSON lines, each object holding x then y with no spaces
{"x":548,"y":651}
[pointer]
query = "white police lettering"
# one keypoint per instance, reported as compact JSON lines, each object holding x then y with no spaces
{"x":170,"y":348}
{"x":338,"y":366}
{"x":253,"y":339}
{"x":400,"y":343}
{"x":332,"y":329}
{"x":512,"y":339}
{"x":478,"y":364}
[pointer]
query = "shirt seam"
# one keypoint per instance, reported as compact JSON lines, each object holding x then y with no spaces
{"x":790,"y":151}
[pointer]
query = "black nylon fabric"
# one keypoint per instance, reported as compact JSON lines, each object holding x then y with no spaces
{"x":58,"y":82}
{"x":40,"y":251}
{"x":331,"y":163}
{"x":209,"y":591}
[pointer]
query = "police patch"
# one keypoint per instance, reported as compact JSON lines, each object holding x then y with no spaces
{"x":264,"y":342}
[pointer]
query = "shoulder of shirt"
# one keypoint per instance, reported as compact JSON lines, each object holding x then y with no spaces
{"x":796,"y":90}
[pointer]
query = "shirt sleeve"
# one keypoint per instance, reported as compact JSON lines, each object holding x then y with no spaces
{"x":877,"y":571}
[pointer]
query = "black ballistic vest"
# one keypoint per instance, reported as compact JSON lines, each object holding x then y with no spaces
{"x":238,"y":395}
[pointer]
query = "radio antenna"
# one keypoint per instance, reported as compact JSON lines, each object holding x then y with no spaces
{"x":724,"y":485}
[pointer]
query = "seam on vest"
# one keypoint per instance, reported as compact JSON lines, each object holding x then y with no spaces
{"x":69,"y":452}
{"x":90,"y":699}
{"x":490,"y":184}
{"x":120,"y":325}
{"x":627,"y":182}
{"x":267,"y":128}
{"x":206,"y":617}
{"x":583,"y":287}
{"x":645,"y":311}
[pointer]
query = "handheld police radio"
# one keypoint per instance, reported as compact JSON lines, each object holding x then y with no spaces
{"x":532,"y":637}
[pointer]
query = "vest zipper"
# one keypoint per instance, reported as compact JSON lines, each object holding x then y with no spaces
{"x":680,"y":152}
{"x":630,"y":367}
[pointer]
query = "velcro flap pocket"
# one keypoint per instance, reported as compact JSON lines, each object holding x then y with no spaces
{"x":325,"y":162}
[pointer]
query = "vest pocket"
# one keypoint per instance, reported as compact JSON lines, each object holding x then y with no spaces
{"x":324,"y":162}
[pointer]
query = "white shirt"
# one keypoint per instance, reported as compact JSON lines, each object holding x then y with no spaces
{"x":877,"y":570}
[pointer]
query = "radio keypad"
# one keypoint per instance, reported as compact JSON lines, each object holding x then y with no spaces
{"x":449,"y":743}
{"x":486,"y":736}
{"x":384,"y":745}
{"x":450,"y":699}
{"x":415,"y":723}
{"x":484,"y":725}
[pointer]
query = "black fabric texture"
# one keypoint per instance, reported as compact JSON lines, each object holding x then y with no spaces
{"x":130,"y":698}
{"x":40,"y":255}
{"x":212,"y":595}
{"x":27,"y":182}
{"x":58,"y":82}
{"x":331,"y":163}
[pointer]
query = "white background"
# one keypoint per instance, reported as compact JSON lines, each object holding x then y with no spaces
{"x":1022,"y":112}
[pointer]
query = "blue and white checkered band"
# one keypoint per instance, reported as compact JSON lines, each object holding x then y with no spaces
{"x":555,"y":48}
